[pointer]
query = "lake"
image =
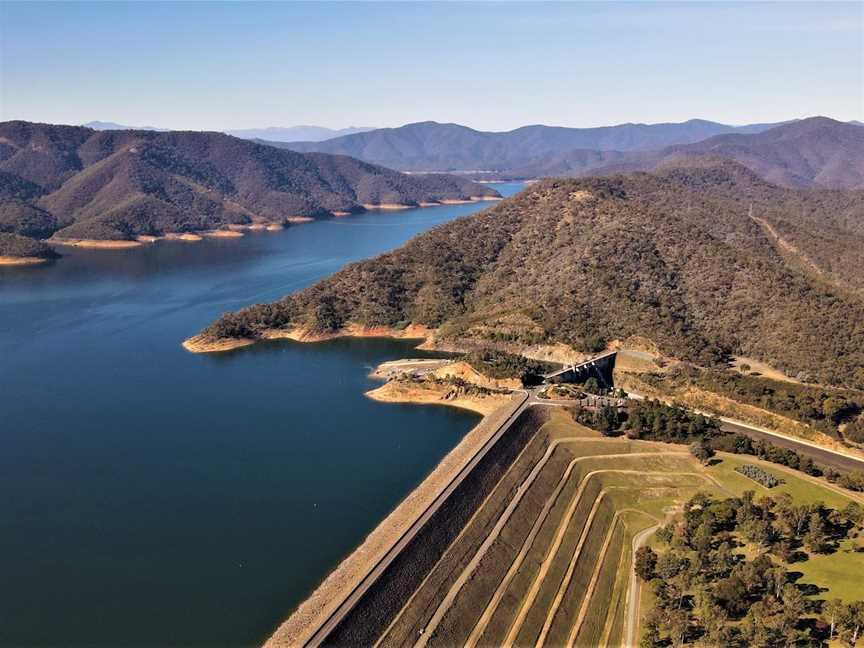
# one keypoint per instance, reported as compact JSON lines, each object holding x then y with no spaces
{"x":149,"y":496}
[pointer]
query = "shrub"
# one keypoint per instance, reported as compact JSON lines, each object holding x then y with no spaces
{"x":758,"y":475}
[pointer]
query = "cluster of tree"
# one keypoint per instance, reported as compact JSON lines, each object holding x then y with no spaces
{"x":655,"y":420}
{"x":606,"y":418}
{"x":499,"y":364}
{"x":707,"y":591}
{"x":854,"y":431}
{"x":821,"y":408}
{"x":20,"y":246}
{"x":759,"y":475}
{"x":742,"y":444}
{"x":852,"y":480}
{"x":459,"y":385}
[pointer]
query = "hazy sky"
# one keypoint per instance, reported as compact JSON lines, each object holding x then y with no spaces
{"x":493,"y":66}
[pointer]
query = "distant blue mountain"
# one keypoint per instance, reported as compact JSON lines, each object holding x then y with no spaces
{"x":296,"y":133}
{"x":431,"y":146}
{"x":104,"y":126}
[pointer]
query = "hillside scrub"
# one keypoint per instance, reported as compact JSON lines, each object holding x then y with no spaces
{"x":673,"y":257}
{"x":77,"y":183}
{"x":12,"y":245}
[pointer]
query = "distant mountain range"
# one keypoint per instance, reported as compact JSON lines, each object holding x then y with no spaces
{"x":430,"y":146}
{"x":296,"y":133}
{"x":817,"y":151}
{"x":273,"y":133}
{"x":102,"y":125}
{"x":72,"y":182}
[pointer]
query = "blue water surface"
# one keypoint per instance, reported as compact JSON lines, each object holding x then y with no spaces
{"x":153,"y":497}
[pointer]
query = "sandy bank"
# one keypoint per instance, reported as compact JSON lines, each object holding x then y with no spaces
{"x":311,"y":613}
{"x":469,"y":374}
{"x":21,"y":261}
{"x":223,"y":234}
{"x":95,"y":244}
{"x":188,"y":237}
{"x":472,"y":199}
{"x":299,"y":219}
{"x":201,"y":344}
{"x":387,"y":206}
{"x":429,"y":393}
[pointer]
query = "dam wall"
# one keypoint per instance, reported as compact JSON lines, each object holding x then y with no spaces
{"x":383,"y":600}
{"x":599,"y":368}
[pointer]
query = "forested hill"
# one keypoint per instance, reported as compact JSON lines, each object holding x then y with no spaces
{"x":814,"y":152}
{"x":430,"y":146}
{"x":75,"y":182}
{"x":675,"y":257}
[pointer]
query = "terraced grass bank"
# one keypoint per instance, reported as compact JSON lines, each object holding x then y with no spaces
{"x":533,"y":547}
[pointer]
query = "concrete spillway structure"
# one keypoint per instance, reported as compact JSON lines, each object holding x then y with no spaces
{"x":600,"y":368}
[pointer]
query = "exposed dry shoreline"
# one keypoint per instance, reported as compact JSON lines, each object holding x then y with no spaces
{"x":425,"y":393}
{"x":231,"y":230}
{"x":327,"y":596}
{"x":19,"y":261}
{"x":95,"y":244}
{"x":201,"y":344}
{"x":437,"y":203}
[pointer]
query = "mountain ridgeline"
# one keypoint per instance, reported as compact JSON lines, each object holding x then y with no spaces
{"x":815,"y":152}
{"x":688,"y":257}
{"x":71,"y":182}
{"x":430,"y":146}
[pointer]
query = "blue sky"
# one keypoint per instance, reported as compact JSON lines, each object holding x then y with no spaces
{"x":492,"y":66}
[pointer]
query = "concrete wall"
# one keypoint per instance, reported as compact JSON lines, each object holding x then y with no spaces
{"x":601,"y":369}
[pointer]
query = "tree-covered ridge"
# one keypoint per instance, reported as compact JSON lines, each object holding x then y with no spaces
{"x":121,"y":184}
{"x":426,"y":146}
{"x":12,"y":245}
{"x":822,"y":408}
{"x":674,"y":256}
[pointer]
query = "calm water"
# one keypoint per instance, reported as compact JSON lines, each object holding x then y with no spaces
{"x":149,"y":496}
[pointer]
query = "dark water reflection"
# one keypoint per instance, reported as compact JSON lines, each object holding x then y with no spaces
{"x":149,"y":496}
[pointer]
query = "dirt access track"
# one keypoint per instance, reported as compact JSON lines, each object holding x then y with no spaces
{"x":532,"y":546}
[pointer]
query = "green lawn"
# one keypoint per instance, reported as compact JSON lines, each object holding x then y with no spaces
{"x":842,"y":573}
{"x":802,"y":491}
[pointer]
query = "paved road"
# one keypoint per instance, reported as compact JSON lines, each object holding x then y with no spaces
{"x":823,"y":457}
{"x":635,"y":591}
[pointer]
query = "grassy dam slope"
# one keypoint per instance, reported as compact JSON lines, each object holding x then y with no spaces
{"x":533,"y":547}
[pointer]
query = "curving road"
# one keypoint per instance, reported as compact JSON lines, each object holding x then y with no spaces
{"x":634,"y":593}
